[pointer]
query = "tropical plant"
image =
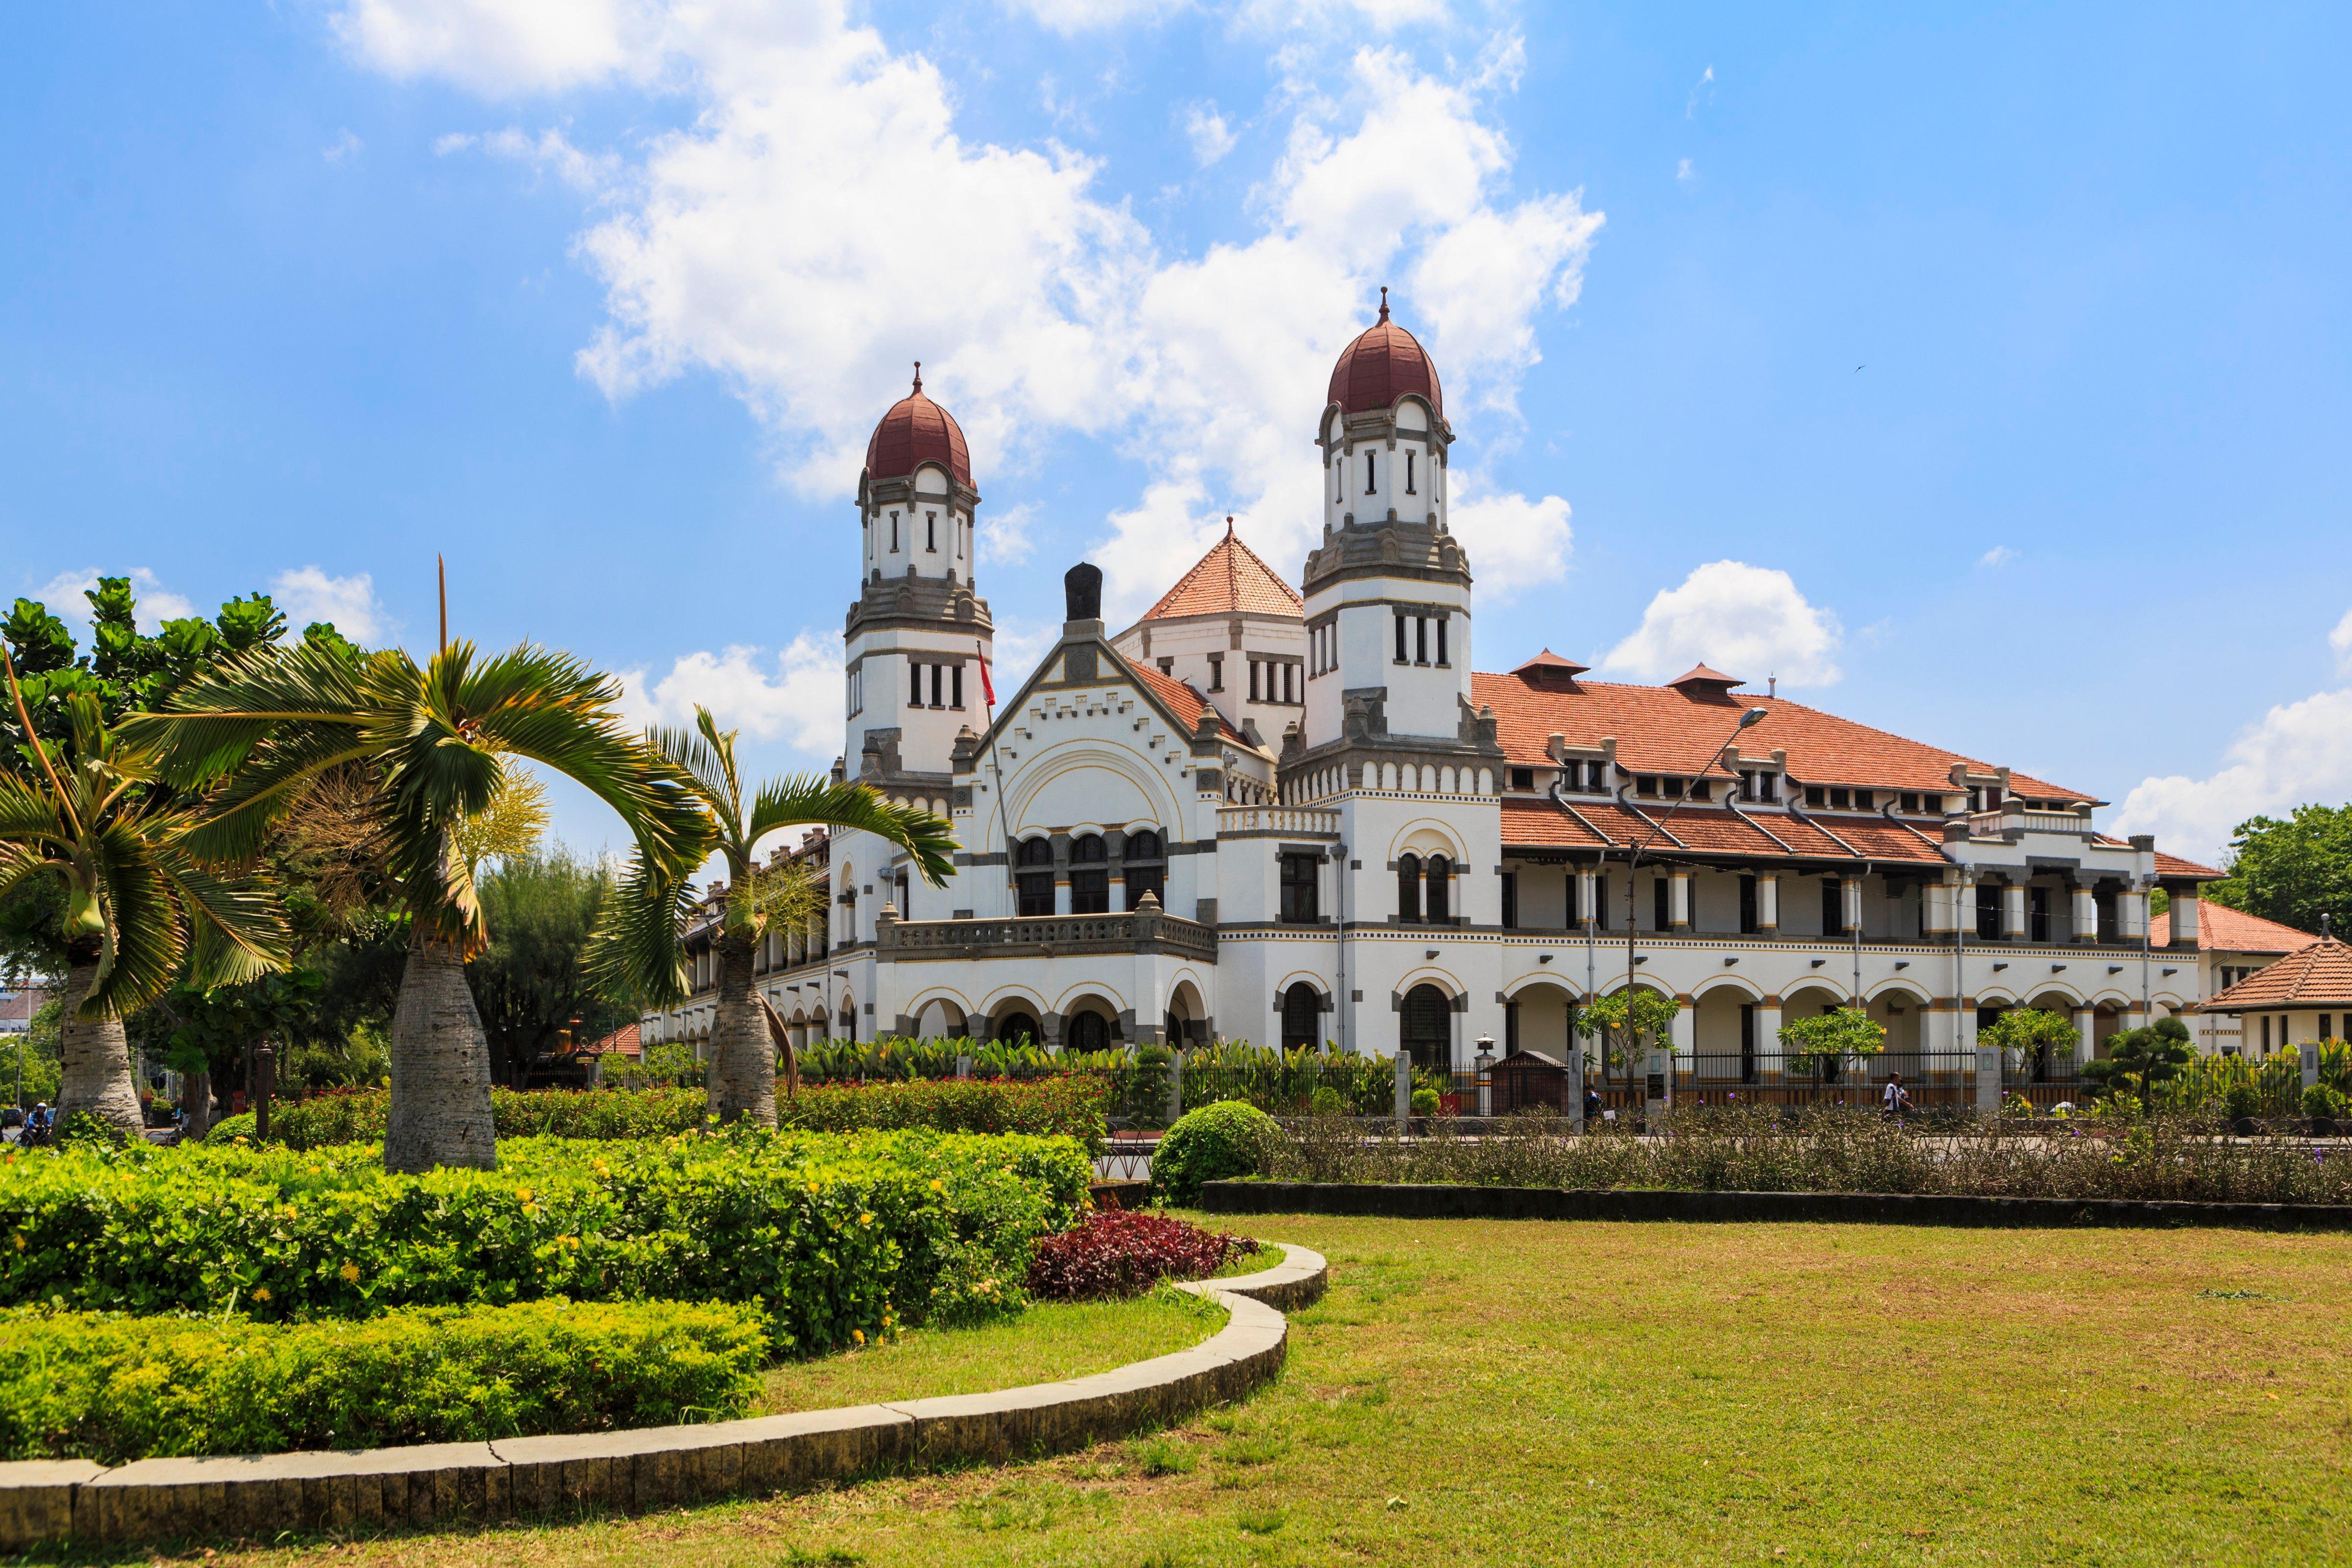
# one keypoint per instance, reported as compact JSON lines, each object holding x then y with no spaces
{"x":2144,"y":1058}
{"x":531,"y":981}
{"x":1830,"y":1038}
{"x":2293,"y":871}
{"x":140,"y":900}
{"x":1623,"y":1020}
{"x":440,"y":742}
{"x":783,"y":893}
{"x":2029,"y":1032}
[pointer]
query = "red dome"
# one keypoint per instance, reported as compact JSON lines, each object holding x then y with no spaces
{"x":917,"y":431}
{"x":1382,"y":365}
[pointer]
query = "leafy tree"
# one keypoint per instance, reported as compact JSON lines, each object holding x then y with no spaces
{"x":37,"y":1054}
{"x":1624,"y":1020}
{"x":437,"y":742}
{"x":2029,"y":1032}
{"x":212,"y":1027}
{"x":2144,"y":1058}
{"x":2293,"y":871}
{"x":531,"y":982}
{"x":138,"y":900}
{"x":744,"y":1083}
{"x":1831,"y":1037}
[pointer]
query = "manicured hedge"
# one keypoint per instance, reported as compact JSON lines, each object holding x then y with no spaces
{"x":1071,"y":1107}
{"x":112,"y":1388}
{"x":835,"y":1235}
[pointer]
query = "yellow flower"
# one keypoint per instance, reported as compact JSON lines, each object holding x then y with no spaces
{"x":937,"y":1185}
{"x":261,"y":1292}
{"x":523,"y":1193}
{"x":859,"y":1334}
{"x":350,"y":1273}
{"x":866,"y":1220}
{"x":531,"y":1209}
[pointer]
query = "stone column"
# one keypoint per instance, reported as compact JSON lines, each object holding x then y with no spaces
{"x":1987,"y":1082}
{"x":2085,"y":900}
{"x":2185,"y":920}
{"x":2087,"y":1022}
{"x":1061,"y":893}
{"x":2131,"y":914}
{"x":1939,"y":909}
{"x":1118,"y":892}
{"x":1767,"y":904}
{"x":1849,"y":902}
{"x":1403,"y":1088}
{"x":2310,"y":1049}
{"x":2012,"y":912}
{"x":1768,"y":1040}
{"x":1588,"y":897}
{"x":1679,"y":910}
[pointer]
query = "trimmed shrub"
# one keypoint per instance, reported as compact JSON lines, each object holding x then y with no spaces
{"x":110,"y":1388}
{"x":834,"y":1235}
{"x":1231,"y":1137}
{"x":1120,"y":1253}
{"x":1066,"y":1106}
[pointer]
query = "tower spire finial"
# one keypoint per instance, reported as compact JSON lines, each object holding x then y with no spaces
{"x":1384,"y":302}
{"x":1229,"y":525}
{"x":918,"y":375}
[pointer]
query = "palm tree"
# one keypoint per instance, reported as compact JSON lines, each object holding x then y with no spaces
{"x":440,"y":740}
{"x":744,"y":1081}
{"x":140,"y":903}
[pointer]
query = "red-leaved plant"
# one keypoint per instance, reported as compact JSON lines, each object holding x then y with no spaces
{"x":1122,"y":1253}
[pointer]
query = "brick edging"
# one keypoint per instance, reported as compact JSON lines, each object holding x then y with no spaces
{"x":258,"y":1496}
{"x":1413,"y":1201}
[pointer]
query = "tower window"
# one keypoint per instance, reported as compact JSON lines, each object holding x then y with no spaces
{"x":1440,"y":887}
{"x":1407,"y":887}
{"x":938,"y":670}
{"x":1254,"y":667}
{"x":957,"y":687}
{"x":1441,"y":639}
{"x":931,"y":533}
{"x":1420,"y":639}
{"x":1401,"y":656}
{"x":1408,"y":473}
{"x":914,"y":684}
{"x":894,"y":533}
{"x":1369,"y":488}
{"x":960,"y":525}
{"x":1216,"y":672}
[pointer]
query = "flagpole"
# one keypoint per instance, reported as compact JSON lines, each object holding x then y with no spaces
{"x":988,"y":701}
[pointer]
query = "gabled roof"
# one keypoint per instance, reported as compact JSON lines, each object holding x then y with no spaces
{"x":1660,"y":730}
{"x":1230,"y":580}
{"x":1187,"y":704}
{"x":1602,"y":824}
{"x":624,"y":1041}
{"x":2174,"y":865}
{"x":2318,"y":976}
{"x":2221,"y":929}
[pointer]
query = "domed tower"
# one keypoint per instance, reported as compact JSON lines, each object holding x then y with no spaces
{"x":1388,"y":593}
{"x":916,"y":629}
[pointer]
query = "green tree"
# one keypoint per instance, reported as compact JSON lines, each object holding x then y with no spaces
{"x":2293,"y":871}
{"x":1626,"y":1021}
{"x":140,"y":903}
{"x":531,"y":980}
{"x":2146,"y":1057}
{"x":438,"y":742}
{"x":212,"y":1027}
{"x":1831,"y":1037}
{"x":36,"y":1054}
{"x":744,"y":1080}
{"x":2030,"y":1032}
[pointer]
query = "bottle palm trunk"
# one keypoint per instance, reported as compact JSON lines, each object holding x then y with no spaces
{"x":95,"y":1057}
{"x":440,"y":1068}
{"x":743,"y":1079}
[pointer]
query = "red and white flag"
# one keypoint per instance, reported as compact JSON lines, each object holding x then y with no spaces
{"x":987,"y":686}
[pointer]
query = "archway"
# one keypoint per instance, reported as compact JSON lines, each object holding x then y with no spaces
{"x":1425,"y":1028}
{"x":1019,"y":1026}
{"x":1302,"y":1016}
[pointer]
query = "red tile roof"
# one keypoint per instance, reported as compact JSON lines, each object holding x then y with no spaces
{"x":2318,"y":976}
{"x":1663,"y":731}
{"x":1229,"y":580}
{"x":1382,"y":365}
{"x":917,"y":431}
{"x":1602,"y":824}
{"x":2221,"y":929}
{"x":1187,"y":704}
{"x":622,"y":1042}
{"x":2174,"y":865}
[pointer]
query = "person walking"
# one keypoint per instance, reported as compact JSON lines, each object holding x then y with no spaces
{"x":1895,"y":1100}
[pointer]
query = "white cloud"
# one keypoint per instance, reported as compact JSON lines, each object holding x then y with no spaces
{"x":549,"y":152}
{"x":1748,"y":621}
{"x":1004,"y":534}
{"x":1704,"y":87}
{"x":795,"y":696}
{"x":2298,"y":752}
{"x":1998,"y":555}
{"x":2340,"y":639}
{"x":344,"y":145}
{"x":1211,"y":137}
{"x":1071,"y":16}
{"x":306,"y":594}
{"x":751,"y":245}
{"x":1515,"y":543}
{"x":63,"y":596}
{"x":1683,"y":175}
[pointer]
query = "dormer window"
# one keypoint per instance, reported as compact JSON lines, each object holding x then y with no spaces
{"x":1674,"y":789}
{"x":1816,"y":795}
{"x":1838,"y":801}
{"x":1646,"y":786}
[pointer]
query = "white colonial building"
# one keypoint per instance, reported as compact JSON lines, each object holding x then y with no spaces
{"x":1302,"y":815}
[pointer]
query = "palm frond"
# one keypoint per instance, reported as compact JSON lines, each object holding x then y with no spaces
{"x":238,"y":816}
{"x":214,"y":721}
{"x":811,"y":798}
{"x":711,"y":775}
{"x":638,"y":947}
{"x":143,"y":942}
{"x":237,"y":923}
{"x":29,"y":816}
{"x":588,"y":745}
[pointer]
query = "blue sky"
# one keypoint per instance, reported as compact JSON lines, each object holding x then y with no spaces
{"x":1984,"y":377}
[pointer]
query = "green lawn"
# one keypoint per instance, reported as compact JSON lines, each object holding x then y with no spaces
{"x":1516,"y":1392}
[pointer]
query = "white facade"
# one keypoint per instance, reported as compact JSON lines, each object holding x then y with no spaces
{"x":1273,"y":775}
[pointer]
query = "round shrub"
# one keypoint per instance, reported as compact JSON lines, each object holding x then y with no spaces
{"x":1231,"y":1137}
{"x":1116,"y":1253}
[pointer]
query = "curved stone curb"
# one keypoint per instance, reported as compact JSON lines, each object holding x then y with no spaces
{"x":446,"y":1483}
{"x":1405,"y":1200}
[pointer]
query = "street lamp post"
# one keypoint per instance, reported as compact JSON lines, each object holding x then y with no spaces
{"x":1633,"y":867}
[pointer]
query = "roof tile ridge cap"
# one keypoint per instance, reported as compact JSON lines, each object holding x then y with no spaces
{"x":1733,"y":807}
{"x":1589,"y":825}
{"x":1887,"y":811}
{"x":1180,"y":584}
{"x":1276,"y":576}
{"x":1656,"y":823}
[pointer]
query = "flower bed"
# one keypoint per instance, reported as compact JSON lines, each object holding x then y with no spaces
{"x":1117,"y":1253}
{"x":1071,"y":1107}
{"x":108,"y":1387}
{"x":834,"y":1235}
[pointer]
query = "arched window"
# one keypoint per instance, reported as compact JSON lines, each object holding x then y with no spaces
{"x":1144,"y":863}
{"x":1089,"y":882}
{"x":1087,"y":1032}
{"x":1302,"y":1018}
{"x":1440,"y":887}
{"x":1035,"y":888}
{"x":1018,"y":1029}
{"x":848,"y":1020}
{"x":1407,"y":887}
{"x":1425,"y":1028}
